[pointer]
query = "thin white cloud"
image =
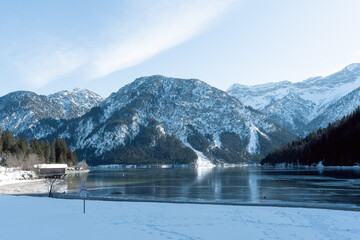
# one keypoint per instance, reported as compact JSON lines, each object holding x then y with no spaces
{"x":161,"y":27}
{"x":40,"y":59}
{"x":148,"y":29}
{"x":46,"y":66}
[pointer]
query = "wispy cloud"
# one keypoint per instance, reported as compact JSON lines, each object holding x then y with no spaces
{"x":147,"y":30}
{"x":162,"y":27}
{"x":41,"y":65}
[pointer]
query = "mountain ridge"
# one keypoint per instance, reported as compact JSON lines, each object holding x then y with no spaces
{"x":147,"y":117}
{"x":295,"y":105}
{"x":183,"y":109}
{"x":21,"y":111}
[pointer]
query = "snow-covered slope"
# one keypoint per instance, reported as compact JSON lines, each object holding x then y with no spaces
{"x":21,"y":111}
{"x":295,"y":105}
{"x":75,"y":103}
{"x":337,"y":110}
{"x":202,"y":117}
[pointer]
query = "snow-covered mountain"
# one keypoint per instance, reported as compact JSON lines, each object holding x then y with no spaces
{"x":192,"y":115}
{"x":22,"y":111}
{"x":75,"y":103}
{"x":337,"y":110}
{"x":304,"y":106}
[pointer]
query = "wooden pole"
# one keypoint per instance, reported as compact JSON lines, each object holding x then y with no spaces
{"x":84,"y":205}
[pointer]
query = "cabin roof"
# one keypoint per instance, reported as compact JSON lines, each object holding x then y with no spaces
{"x":41,"y":166}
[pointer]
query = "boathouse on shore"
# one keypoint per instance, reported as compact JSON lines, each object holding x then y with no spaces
{"x":51,"y":170}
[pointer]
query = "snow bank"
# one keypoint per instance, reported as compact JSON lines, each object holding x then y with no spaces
{"x":14,"y":175}
{"x":39,"y":218}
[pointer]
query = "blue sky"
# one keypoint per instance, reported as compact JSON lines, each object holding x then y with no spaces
{"x":48,"y":46}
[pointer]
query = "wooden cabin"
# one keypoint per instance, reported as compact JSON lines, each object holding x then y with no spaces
{"x":51,"y":170}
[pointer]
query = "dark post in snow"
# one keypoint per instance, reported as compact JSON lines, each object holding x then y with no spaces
{"x":83,"y":192}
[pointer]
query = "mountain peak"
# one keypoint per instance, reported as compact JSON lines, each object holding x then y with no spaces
{"x":353,"y":66}
{"x":295,"y":105}
{"x":162,"y":78}
{"x":73,"y":92}
{"x":238,"y":86}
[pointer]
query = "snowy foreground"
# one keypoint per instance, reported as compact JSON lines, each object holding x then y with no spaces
{"x":39,"y":218}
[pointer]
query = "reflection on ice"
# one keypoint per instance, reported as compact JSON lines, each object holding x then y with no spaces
{"x":254,"y":191}
{"x":229,"y":185}
{"x":201,"y":173}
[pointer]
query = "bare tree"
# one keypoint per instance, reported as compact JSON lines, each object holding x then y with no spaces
{"x":30,"y":161}
{"x":22,"y":161}
{"x":84,"y":165}
{"x":13,"y":161}
{"x":53,"y":185}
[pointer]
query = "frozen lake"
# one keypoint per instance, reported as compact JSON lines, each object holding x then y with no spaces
{"x":326,"y":187}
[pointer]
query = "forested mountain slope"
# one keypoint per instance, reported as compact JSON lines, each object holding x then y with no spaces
{"x":336,"y":145}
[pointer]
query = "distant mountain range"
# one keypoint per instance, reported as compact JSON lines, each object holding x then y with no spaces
{"x":152,"y":111}
{"x":22,"y":112}
{"x":168,"y":120}
{"x":305,"y":106}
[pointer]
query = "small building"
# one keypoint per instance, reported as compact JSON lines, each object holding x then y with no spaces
{"x":82,"y":165}
{"x":51,"y":170}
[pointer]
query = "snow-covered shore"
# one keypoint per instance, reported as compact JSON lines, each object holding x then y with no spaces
{"x":21,"y":187}
{"x":15,"y":181}
{"x":15,"y":175}
{"x":38,"y":218}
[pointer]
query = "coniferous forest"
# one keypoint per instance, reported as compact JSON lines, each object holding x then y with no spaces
{"x":19,"y":152}
{"x":336,"y":145}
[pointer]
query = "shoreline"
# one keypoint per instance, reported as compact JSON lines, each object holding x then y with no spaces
{"x":14,"y":181}
{"x":239,"y":165}
{"x":281,"y":205}
{"x":23,"y":187}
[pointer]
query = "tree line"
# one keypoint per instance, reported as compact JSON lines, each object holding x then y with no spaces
{"x":336,"y":145}
{"x":148,"y":147}
{"x":19,"y":152}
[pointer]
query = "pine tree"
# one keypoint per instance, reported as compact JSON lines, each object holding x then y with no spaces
{"x":36,"y":147}
{"x":47,"y":150}
{"x":24,"y":146}
{"x":7,"y":141}
{"x":1,"y":145}
{"x":60,"y":150}
{"x":62,"y":158}
{"x":70,"y":157}
{"x":52,"y":156}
